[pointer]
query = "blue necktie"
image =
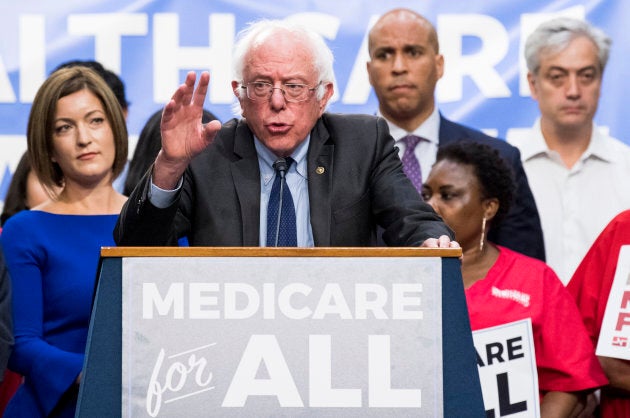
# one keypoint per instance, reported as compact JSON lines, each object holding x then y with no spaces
{"x":287,"y":235}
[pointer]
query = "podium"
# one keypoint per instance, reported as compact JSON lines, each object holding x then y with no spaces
{"x":101,"y":389}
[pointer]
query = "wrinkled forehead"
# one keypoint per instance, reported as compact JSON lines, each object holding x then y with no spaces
{"x":279,"y":38}
{"x":280,"y":54}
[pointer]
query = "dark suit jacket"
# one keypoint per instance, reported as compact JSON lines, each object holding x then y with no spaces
{"x":520,"y":230}
{"x":362,"y":185}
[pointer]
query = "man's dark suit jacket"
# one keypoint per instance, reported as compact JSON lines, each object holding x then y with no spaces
{"x":355,"y":182}
{"x":520,"y":230}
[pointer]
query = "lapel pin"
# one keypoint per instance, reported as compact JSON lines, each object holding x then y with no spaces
{"x":320,"y":170}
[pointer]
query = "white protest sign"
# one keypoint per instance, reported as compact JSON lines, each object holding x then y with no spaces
{"x":284,"y":336}
{"x":507,"y":370}
{"x":614,"y":336}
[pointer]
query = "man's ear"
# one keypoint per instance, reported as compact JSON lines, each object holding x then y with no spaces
{"x":533,"y":87}
{"x":439,"y":65}
{"x":328,"y":92}
{"x":236,"y":88}
{"x":368,"y":66}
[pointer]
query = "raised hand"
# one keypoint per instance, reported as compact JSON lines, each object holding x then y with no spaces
{"x":183,"y":134}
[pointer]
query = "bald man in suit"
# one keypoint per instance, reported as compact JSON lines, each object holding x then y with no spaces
{"x":404,"y":68}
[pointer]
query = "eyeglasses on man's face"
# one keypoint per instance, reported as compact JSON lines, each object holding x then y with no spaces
{"x":292,"y":92}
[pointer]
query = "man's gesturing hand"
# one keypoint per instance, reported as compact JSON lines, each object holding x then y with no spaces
{"x":183,"y":134}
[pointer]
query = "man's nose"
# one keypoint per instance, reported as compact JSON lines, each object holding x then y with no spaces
{"x":277,"y":99}
{"x":399,"y":64}
{"x":573,"y":86}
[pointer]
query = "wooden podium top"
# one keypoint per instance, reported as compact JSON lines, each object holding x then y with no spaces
{"x":279,"y":252}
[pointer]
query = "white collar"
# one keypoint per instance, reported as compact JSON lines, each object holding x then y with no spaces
{"x":535,"y":145}
{"x":429,"y":129}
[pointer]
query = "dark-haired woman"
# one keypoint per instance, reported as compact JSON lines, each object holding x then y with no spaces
{"x":471,"y":187}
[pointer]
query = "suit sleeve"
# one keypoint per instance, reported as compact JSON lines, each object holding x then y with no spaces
{"x":520,"y":230}
{"x":142,"y":224}
{"x":398,"y":208}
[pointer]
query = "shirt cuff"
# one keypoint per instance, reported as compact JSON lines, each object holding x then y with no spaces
{"x":161,"y":198}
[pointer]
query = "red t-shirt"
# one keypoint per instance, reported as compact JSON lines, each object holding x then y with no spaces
{"x":518,"y":287}
{"x":590,"y":286}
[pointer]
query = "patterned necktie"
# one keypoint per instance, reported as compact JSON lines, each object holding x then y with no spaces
{"x":287,"y":235}
{"x":411,"y":166}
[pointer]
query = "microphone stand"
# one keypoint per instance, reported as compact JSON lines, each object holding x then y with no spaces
{"x":280,"y":165}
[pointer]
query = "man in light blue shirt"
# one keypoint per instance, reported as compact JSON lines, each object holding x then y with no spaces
{"x":212,"y":182}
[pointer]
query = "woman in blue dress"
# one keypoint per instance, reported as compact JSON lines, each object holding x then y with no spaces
{"x":77,"y":143}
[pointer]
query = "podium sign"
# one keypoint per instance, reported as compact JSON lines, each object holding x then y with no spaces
{"x":614,"y":336}
{"x":289,"y":336}
{"x":507,"y":369}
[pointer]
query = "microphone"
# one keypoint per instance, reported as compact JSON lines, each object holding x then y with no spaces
{"x":280,"y":165}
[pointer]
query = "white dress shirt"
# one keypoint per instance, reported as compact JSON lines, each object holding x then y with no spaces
{"x":425,"y":151}
{"x":575,"y":204}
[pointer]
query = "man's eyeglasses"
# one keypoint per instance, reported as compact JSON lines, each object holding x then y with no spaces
{"x":292,"y":92}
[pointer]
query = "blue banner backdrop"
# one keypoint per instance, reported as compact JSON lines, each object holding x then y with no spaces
{"x":152,"y":44}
